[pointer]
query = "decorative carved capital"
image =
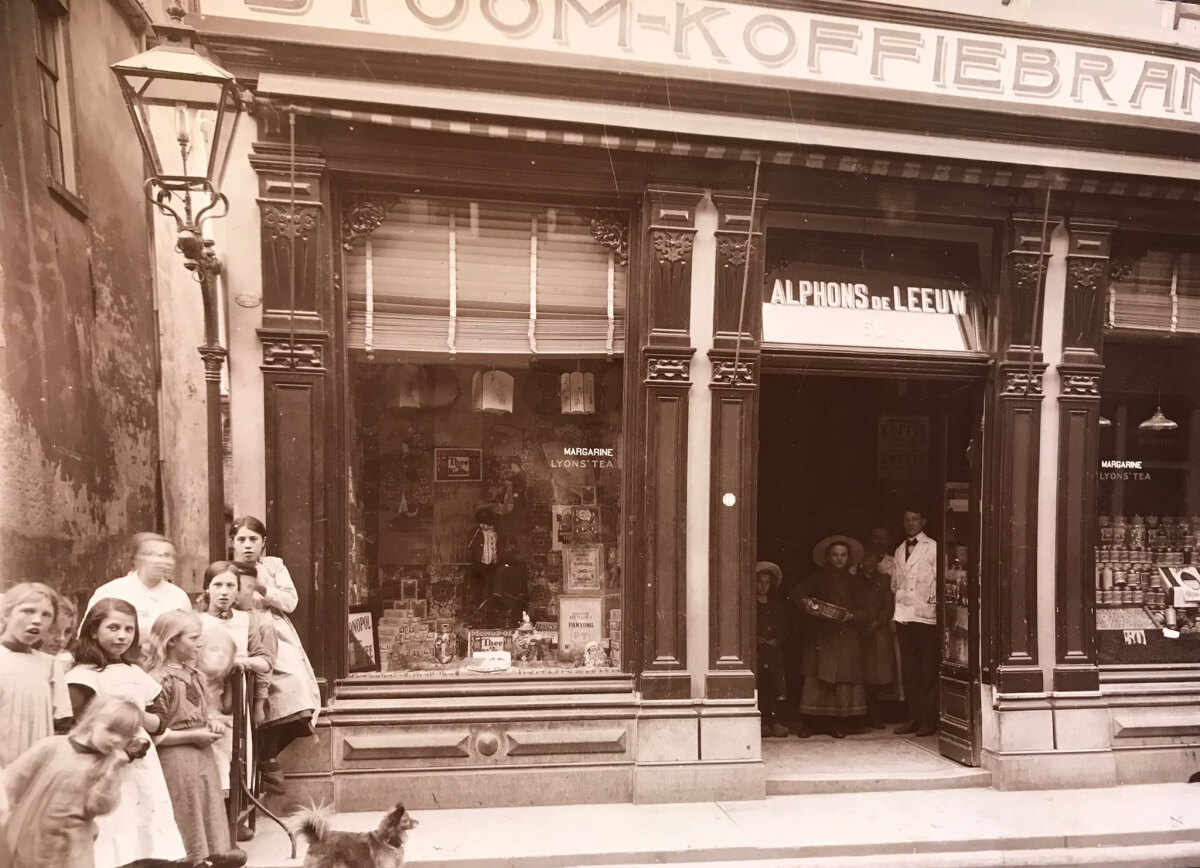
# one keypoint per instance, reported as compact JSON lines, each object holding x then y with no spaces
{"x":1081,"y":385}
{"x":363,"y":215}
{"x":670,"y":246}
{"x":1086,"y":272}
{"x":214,"y":359}
{"x":611,"y":231}
{"x":303,"y":354}
{"x":282,"y":222}
{"x":1025,"y":269}
{"x":1019,"y":383}
{"x":732,"y":250}
{"x":726,"y":373}
{"x":668,"y":369}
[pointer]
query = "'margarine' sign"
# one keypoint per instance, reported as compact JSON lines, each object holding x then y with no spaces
{"x":754,"y":44}
{"x":808,"y":304}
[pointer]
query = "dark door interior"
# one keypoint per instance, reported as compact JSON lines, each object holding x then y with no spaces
{"x":844,"y":454}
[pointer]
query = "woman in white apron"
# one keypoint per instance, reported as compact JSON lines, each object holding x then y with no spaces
{"x":294,"y":700}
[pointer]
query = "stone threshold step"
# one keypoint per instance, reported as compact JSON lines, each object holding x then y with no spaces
{"x":798,"y":785}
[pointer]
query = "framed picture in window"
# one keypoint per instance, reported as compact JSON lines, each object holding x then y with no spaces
{"x":458,"y":465}
{"x":362,"y":638}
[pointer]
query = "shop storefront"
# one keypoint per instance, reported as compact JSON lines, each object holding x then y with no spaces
{"x":535,"y":323}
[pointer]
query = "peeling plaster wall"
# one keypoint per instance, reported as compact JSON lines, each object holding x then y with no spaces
{"x":78,"y":408}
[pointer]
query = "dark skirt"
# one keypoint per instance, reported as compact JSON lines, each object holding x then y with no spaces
{"x":195,"y":787}
{"x":823,"y":699}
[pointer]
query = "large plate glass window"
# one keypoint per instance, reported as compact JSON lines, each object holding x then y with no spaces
{"x":1147,"y":582}
{"x":486,"y":383}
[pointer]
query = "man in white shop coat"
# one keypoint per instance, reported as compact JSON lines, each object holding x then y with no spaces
{"x":914,"y":582}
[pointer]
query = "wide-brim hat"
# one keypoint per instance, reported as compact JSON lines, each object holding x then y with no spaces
{"x":821,"y":549}
{"x":772,"y":570}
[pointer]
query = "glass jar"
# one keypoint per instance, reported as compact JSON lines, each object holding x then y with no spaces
{"x":1136,"y":534}
{"x":1105,"y":531}
{"x":1120,"y":532}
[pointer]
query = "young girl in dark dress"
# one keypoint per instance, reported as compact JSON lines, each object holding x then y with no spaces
{"x":185,"y":747}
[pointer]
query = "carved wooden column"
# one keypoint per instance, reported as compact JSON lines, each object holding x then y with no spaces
{"x":299,"y":406}
{"x":735,"y":382}
{"x":1078,"y":452}
{"x":660,"y":477}
{"x":1015,"y":460}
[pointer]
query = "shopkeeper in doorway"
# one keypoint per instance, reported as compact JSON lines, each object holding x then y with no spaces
{"x":914,"y":582}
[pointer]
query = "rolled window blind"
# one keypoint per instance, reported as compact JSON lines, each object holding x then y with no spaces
{"x":485,"y":277}
{"x":1155,"y":290}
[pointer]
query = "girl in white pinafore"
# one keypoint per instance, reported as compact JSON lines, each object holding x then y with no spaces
{"x":142,"y":826}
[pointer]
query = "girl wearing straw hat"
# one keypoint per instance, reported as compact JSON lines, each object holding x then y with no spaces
{"x":831,"y":601}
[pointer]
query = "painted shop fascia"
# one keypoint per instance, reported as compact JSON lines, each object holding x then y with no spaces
{"x":675,"y":718}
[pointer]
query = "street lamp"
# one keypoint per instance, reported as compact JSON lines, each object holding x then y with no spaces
{"x":185,"y":109}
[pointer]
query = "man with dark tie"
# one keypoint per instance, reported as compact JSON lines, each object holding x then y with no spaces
{"x":914,"y":582}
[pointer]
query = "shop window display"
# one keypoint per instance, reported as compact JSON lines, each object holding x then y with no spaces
{"x":486,"y":514}
{"x":1147,"y":582}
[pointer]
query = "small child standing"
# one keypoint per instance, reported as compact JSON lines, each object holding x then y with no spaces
{"x":185,"y":748}
{"x":142,"y":826}
{"x":33,"y":692}
{"x":61,"y":638}
{"x":215,"y":662}
{"x":63,"y":783}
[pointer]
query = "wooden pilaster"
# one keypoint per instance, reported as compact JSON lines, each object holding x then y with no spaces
{"x":1018,"y":391}
{"x":660,"y":475}
{"x":733,"y":475}
{"x":1078,"y":453}
{"x":299,"y":387}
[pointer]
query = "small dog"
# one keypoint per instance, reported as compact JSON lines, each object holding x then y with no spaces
{"x":382,"y":848}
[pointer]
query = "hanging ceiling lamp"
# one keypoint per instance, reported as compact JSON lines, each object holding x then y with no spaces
{"x":492,"y":392}
{"x":1158,"y":422}
{"x":577,"y":390}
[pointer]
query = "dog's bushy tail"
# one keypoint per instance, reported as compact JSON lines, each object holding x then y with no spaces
{"x":311,"y":823}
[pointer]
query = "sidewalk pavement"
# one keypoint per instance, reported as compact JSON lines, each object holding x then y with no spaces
{"x":1132,"y":826}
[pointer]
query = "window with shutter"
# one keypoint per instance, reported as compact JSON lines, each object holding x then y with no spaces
{"x":479,"y":277}
{"x":1154,"y":285}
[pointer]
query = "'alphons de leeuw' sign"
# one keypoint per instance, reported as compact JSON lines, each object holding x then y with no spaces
{"x":825,"y":305}
{"x":756,"y":44}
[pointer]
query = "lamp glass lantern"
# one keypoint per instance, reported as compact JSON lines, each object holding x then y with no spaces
{"x":185,"y":109}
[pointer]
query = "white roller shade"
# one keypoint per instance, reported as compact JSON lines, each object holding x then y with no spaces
{"x":485,"y":277}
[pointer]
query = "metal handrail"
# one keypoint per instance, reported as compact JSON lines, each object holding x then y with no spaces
{"x":243,"y":803}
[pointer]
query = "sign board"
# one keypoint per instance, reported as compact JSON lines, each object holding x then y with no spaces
{"x":363,"y":640}
{"x":902,"y":447}
{"x":814,"y":304}
{"x":749,"y":43}
{"x":579,"y":620}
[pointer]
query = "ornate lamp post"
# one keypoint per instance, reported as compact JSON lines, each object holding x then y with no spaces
{"x":185,"y":109}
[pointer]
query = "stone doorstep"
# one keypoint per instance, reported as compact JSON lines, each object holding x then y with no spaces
{"x":798,"y":785}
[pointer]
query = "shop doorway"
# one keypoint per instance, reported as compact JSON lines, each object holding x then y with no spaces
{"x":842,"y":454}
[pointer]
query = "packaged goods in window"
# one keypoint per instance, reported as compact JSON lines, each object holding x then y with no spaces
{"x":486,"y":523}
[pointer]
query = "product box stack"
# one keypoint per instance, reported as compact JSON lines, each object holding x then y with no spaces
{"x":404,"y":633}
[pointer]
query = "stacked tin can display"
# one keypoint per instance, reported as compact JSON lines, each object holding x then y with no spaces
{"x":1130,"y":551}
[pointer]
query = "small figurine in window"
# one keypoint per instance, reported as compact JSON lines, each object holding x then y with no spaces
{"x":445,"y":645}
{"x":524,"y":646}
